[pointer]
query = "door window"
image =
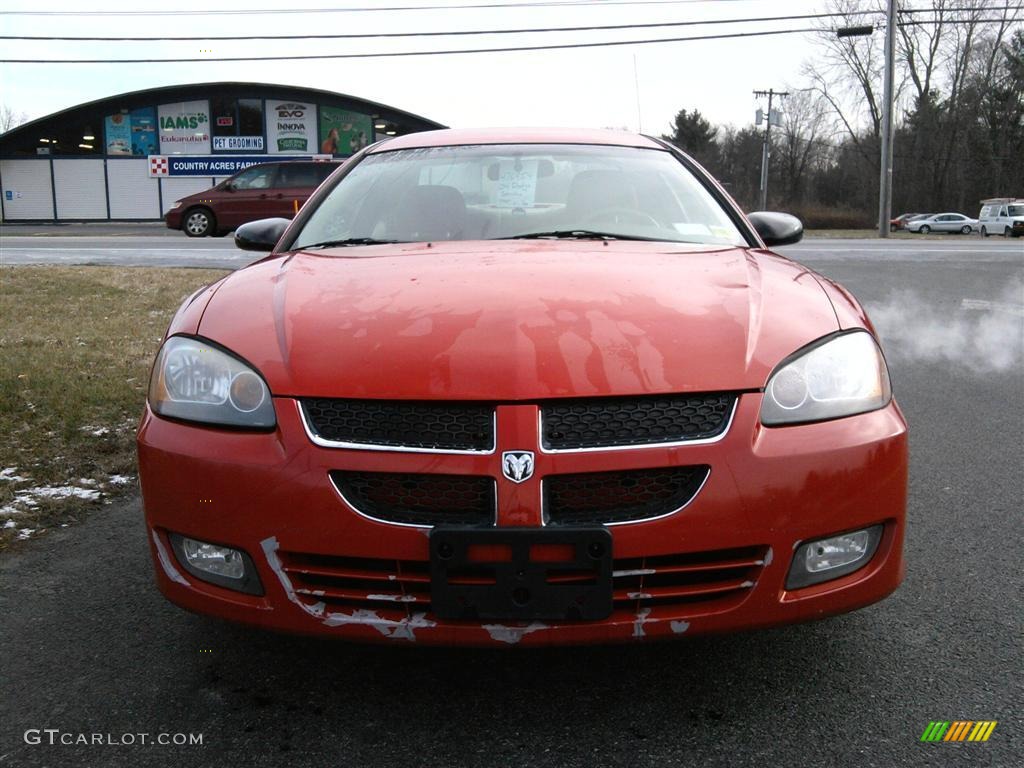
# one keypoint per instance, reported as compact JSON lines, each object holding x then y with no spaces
{"x":260,"y":177}
{"x":297,"y":175}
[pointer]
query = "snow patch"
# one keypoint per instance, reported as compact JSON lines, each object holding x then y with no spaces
{"x":24,"y":533}
{"x":58,"y":492}
{"x":120,"y":479}
{"x":9,"y":475}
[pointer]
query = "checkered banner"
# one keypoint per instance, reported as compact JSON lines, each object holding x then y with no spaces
{"x":163,"y":166}
{"x":158,"y":166}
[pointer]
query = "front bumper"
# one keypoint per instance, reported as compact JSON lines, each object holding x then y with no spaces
{"x":173,"y":217}
{"x":769,"y":489}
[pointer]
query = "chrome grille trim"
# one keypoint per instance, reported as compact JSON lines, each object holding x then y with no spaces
{"x":325,"y":443}
{"x":696,"y":493}
{"x":422,"y":526}
{"x":640,"y":446}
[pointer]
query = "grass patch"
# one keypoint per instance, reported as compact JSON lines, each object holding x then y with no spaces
{"x":77,"y":344}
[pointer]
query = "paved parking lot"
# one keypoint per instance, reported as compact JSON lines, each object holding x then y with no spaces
{"x":90,"y":647}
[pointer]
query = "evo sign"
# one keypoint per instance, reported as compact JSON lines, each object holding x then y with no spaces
{"x":291,"y":127}
{"x":200,"y":165}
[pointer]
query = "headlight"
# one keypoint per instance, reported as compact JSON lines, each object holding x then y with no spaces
{"x":175,"y":204}
{"x":195,"y":381}
{"x":839,"y":377}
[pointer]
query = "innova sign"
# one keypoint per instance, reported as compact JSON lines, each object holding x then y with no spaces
{"x":291,"y":127}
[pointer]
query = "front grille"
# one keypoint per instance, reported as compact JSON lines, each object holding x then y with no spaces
{"x":395,"y":589}
{"x":616,"y":497}
{"x":722,"y":576}
{"x":604,"y":423}
{"x":419,"y":499}
{"x":386,"y":423}
{"x":391,"y":588}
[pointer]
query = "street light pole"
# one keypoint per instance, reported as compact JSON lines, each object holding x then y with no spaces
{"x":885,"y":176}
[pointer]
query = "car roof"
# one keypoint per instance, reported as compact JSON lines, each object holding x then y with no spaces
{"x":470,"y":136}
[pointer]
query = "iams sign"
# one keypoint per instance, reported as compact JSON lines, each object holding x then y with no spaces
{"x":182,"y":122}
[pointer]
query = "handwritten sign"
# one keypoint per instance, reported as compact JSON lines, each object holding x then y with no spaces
{"x":517,"y":184}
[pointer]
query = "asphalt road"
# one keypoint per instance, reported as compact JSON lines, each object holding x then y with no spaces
{"x":89,"y":646}
{"x":153,"y":245}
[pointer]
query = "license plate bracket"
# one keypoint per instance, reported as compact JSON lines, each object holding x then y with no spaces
{"x":521,"y":574}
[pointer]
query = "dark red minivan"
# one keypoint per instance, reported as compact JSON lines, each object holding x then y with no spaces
{"x":259,"y":192}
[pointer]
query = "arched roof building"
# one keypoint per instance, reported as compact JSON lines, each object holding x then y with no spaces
{"x":129,"y":156}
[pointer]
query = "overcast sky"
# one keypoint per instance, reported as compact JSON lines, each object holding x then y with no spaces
{"x":584,"y":87}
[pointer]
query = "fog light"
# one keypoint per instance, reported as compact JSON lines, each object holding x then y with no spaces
{"x":220,"y":561}
{"x":826,"y":559}
{"x":217,"y":564}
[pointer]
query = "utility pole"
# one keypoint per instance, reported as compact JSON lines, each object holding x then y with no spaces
{"x":765,"y":152}
{"x":885,"y":178}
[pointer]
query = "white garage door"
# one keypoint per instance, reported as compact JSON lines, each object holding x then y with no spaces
{"x":81,"y":189}
{"x":133,"y":194}
{"x":27,"y":189}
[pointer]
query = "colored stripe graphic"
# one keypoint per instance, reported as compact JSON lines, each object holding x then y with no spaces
{"x":983,"y":731}
{"x":959,"y":730}
{"x":935,"y":730}
{"x":953,"y":734}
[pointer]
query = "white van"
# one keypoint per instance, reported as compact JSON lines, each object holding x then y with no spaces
{"x":1002,"y":216}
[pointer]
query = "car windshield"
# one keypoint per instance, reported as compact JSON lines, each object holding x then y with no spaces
{"x":489,"y":192}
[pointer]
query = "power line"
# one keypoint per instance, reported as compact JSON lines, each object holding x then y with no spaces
{"x":394,"y":54}
{"x":438,"y":7}
{"x":364,"y":35}
{"x":365,"y":9}
{"x":462,"y":51}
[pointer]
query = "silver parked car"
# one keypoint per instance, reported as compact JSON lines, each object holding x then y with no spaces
{"x":943,"y":222}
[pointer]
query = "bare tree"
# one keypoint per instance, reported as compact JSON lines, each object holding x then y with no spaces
{"x":848,"y":73}
{"x":801,"y":144}
{"x":9,"y":118}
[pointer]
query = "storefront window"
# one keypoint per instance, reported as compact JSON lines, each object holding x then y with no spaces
{"x":237,"y":125}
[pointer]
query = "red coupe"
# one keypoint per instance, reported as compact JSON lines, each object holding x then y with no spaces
{"x":522,"y":386}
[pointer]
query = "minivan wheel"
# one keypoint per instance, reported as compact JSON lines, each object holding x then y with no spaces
{"x":984,"y":232}
{"x":198,"y":222}
{"x":925,"y":229}
{"x":965,"y":229}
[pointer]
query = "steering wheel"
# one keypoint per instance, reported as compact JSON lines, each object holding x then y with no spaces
{"x":622,"y":216}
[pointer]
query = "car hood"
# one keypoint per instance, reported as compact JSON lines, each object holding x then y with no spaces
{"x":514,"y":320}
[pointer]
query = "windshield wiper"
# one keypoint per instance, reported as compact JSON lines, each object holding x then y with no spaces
{"x":575,"y":234}
{"x":345,"y":242}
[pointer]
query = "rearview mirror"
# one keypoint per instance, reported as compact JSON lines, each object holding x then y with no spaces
{"x":260,"y":235}
{"x":777,"y":228}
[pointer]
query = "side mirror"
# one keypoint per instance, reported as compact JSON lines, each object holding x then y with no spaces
{"x":777,"y":228}
{"x":261,"y":235}
{"x":229,"y":186}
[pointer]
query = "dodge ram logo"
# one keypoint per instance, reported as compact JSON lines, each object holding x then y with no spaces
{"x":517,"y":466}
